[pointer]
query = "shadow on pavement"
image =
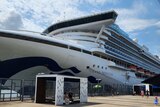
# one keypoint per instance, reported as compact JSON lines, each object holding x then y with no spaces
{"x":83,"y":104}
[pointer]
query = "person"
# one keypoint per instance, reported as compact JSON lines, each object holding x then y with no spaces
{"x":156,"y":101}
{"x":142,"y":93}
{"x":66,"y":98}
{"x":112,"y":92}
{"x":147,"y":93}
{"x":134,"y":92}
{"x":70,"y":95}
{"x":117,"y":93}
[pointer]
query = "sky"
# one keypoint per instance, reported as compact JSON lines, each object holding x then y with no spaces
{"x":138,"y":18}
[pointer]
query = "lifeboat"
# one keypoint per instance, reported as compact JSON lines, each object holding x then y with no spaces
{"x":152,"y":74}
{"x":140,"y":70}
{"x":132,"y":67}
{"x":148,"y":73}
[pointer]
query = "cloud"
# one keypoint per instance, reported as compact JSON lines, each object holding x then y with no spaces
{"x":135,"y":24}
{"x":158,"y":32}
{"x":99,"y":2}
{"x":12,"y":20}
{"x":157,"y":24}
{"x":156,"y":50}
{"x":37,"y":15}
{"x":30,"y":26}
{"x":129,"y":18}
{"x":134,"y":11}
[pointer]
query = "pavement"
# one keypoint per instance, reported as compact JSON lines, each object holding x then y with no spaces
{"x":109,"y":101}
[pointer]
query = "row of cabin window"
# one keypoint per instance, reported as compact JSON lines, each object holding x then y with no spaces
{"x":114,"y":50}
{"x":117,"y":62}
{"x":135,"y":48}
{"x":99,"y":66}
{"x":118,"y":52}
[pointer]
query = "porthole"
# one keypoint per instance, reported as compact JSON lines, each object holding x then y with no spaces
{"x":87,"y":67}
{"x":102,"y":67}
{"x":105,"y":67}
{"x":98,"y":66}
{"x":93,"y":65}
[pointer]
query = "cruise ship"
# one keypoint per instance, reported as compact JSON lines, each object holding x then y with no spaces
{"x":92,"y":46}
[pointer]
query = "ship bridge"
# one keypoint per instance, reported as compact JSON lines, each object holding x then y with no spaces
{"x":89,"y":23}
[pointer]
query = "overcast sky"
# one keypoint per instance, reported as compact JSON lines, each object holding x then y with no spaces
{"x":139,"y":18}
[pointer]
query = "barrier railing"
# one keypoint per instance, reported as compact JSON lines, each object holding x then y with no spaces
{"x":16,"y":89}
{"x":20,"y":90}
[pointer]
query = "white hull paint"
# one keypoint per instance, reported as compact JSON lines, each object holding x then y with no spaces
{"x":14,"y":48}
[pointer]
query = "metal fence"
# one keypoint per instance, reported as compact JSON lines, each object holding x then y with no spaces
{"x":108,"y":90}
{"x":20,"y":90}
{"x":16,"y":90}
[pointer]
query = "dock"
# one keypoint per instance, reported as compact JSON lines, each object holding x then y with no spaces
{"x":107,"y":101}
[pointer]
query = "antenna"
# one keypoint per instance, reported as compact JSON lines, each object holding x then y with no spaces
{"x":64,"y":14}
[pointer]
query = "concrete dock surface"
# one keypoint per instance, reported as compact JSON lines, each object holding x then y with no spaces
{"x":109,"y":101}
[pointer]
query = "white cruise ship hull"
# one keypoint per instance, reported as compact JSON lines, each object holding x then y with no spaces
{"x":23,"y":59}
